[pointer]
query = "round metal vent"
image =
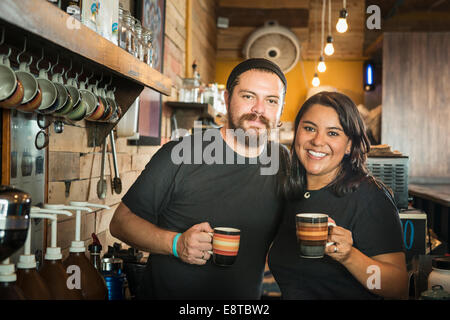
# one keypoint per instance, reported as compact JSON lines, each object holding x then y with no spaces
{"x":275,"y":43}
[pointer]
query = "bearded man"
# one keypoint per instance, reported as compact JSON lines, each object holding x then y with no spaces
{"x":172,"y":208}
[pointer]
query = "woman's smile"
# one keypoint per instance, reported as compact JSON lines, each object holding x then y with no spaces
{"x":316,"y":155}
{"x":321,"y":144}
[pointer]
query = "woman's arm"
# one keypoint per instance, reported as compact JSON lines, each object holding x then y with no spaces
{"x":384,"y":274}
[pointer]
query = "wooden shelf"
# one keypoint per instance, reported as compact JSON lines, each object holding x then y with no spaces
{"x":47,"y":27}
{"x":206,"y":107}
{"x":42,"y":19}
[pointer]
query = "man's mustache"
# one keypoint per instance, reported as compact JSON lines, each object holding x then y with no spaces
{"x":254,"y":117}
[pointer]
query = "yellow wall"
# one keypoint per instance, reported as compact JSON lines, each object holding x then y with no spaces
{"x":345,"y":76}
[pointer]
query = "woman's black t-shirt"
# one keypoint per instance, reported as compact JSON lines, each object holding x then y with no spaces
{"x":368,"y":213}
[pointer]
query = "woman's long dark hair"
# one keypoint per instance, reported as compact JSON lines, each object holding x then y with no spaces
{"x":353,"y":168}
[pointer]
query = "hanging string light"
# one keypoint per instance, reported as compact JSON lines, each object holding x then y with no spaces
{"x":316,"y":80}
{"x":342,"y":25}
{"x":322,"y":67}
{"x":329,"y":49}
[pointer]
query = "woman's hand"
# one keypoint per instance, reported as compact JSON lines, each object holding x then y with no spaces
{"x":343,"y":244}
{"x":194,"y":244}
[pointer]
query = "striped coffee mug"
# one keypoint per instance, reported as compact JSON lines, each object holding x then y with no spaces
{"x":225,"y":245}
{"x":312,"y":234}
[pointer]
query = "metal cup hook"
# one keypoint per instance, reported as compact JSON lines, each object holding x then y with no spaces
{"x":1,"y":43}
{"x":98,"y":81}
{"x":89,"y":78}
{"x":22,"y":52}
{"x":67,"y":71}
{"x":109,"y":83}
{"x":3,"y":36}
{"x":56,"y":63}
{"x":39,"y":61}
{"x":81,"y":72}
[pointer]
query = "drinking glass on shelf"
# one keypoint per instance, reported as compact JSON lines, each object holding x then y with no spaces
{"x":139,"y":48}
{"x":148,"y":48}
{"x":130,"y":33}
{"x":123,"y":28}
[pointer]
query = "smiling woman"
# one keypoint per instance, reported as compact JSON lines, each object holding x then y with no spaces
{"x":321,"y":145}
{"x":329,"y":176}
{"x":330,"y":143}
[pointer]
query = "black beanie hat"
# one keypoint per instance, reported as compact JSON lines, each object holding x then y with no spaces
{"x":255,"y":63}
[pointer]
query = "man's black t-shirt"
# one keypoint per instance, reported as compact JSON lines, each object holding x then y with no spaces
{"x":177,"y":196}
{"x":368,"y":213}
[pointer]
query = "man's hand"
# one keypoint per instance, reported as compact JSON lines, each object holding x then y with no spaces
{"x":194,"y":244}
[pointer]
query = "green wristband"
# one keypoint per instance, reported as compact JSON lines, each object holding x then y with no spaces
{"x":174,"y":245}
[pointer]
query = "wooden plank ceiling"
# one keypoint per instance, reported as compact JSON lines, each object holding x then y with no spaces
{"x":408,"y":16}
{"x":303,"y":17}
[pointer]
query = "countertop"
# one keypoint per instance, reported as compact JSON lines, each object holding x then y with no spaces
{"x":439,"y":193}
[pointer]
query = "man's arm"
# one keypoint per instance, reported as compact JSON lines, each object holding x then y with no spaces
{"x":144,"y":235}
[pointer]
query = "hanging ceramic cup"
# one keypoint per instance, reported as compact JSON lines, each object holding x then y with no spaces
{"x":11,"y":89}
{"x":79,"y":106}
{"x":63,"y":95}
{"x":32,"y":97}
{"x":112,"y":101}
{"x":67,"y":107}
{"x":100,"y":109}
{"x":49,"y":92}
{"x":89,"y":98}
{"x":108,"y":107}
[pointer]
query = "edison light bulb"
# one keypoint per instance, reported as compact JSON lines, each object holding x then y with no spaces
{"x":321,"y":67}
{"x":329,"y":49}
{"x":342,"y":25}
{"x":316,"y":81}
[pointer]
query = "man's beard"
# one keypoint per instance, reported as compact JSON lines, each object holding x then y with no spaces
{"x":252,"y":136}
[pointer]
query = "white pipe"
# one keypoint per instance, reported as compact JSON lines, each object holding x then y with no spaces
{"x":79,"y":204}
{"x":54,"y":220}
{"x":78,"y":210}
{"x":49,"y":214}
{"x":27,"y":246}
{"x":88,"y":204}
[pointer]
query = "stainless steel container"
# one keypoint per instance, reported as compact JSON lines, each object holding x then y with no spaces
{"x":15,"y":208}
{"x":113,"y":265}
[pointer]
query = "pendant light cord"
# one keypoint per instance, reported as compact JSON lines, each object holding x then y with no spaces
{"x":329,"y":17}
{"x":323,"y":25}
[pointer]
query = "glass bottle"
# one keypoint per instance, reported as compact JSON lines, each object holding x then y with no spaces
{"x":148,"y":48}
{"x":55,"y":3}
{"x":95,"y":250}
{"x":72,"y":7}
{"x":123,"y":28}
{"x":139,"y":49}
{"x":129,"y":22}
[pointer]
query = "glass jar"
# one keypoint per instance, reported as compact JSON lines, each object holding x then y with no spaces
{"x":148,"y":48}
{"x":139,"y":48}
{"x":123,"y":28}
{"x":130,"y":34}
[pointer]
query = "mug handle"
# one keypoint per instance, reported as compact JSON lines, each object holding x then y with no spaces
{"x":330,"y":224}
{"x":212,"y":235}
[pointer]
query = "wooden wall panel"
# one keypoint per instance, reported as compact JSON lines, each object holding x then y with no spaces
{"x":416,"y":98}
{"x":72,"y":159}
{"x":203,"y":39}
{"x":265,"y":4}
{"x":348,"y":45}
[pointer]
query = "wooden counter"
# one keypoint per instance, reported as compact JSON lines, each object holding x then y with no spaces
{"x":434,"y":199}
{"x":439,"y":193}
